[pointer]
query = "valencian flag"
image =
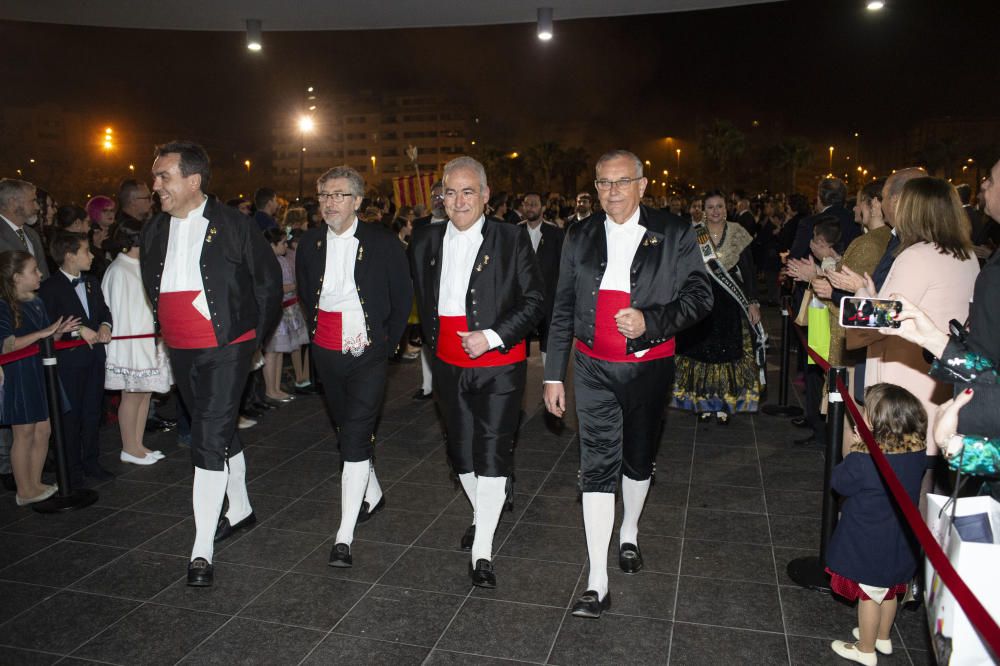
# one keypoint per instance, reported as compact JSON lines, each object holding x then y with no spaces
{"x":411,"y":191}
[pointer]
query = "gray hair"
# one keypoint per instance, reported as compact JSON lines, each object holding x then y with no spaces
{"x":466,"y":162}
{"x":896,"y":181}
{"x":348,"y":174}
{"x":10,"y":188}
{"x":619,"y":154}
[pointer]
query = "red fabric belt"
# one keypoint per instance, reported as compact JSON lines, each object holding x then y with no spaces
{"x":609,"y":343}
{"x":329,"y":330}
{"x":183,"y":327}
{"x":449,"y":347}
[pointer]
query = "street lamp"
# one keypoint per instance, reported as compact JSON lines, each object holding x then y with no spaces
{"x":830,"y":170}
{"x":678,"y":160}
{"x":246,"y":163}
{"x":305,"y":125}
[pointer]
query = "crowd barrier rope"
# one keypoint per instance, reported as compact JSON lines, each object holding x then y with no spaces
{"x":978,"y":616}
{"x":32,"y":350}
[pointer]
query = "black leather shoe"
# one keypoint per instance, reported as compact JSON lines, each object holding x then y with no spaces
{"x":200,"y":573}
{"x":468,"y":537}
{"x":483,"y":575}
{"x":251,"y":413}
{"x":225,"y":530}
{"x":589,"y":606}
{"x":262,"y":406}
{"x":800,"y":422}
{"x":340,"y":556}
{"x":366,"y":514}
{"x":420,"y":395}
{"x":98,"y":473}
{"x":8,"y":482}
{"x":630,"y":558}
{"x":308,"y":389}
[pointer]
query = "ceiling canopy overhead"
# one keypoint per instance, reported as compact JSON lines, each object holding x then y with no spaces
{"x":232,"y":15}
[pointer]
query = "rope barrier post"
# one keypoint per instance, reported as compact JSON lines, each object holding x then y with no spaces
{"x":66,"y":499}
{"x":783,"y":408}
{"x":810,"y":571}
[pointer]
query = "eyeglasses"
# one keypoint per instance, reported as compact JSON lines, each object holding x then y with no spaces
{"x":337,"y":197}
{"x":604,"y":184}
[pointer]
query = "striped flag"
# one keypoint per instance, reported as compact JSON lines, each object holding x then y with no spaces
{"x":409,"y":191}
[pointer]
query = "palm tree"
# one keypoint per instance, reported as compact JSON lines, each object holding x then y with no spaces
{"x":544,"y":158}
{"x":572,"y":163}
{"x":721,"y":145}
{"x":793,"y":153}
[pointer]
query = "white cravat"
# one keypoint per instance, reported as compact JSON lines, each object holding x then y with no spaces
{"x":457,"y":258}
{"x":182,"y":264}
{"x":340,"y":292}
{"x":623,"y":240}
{"x":535,"y":234}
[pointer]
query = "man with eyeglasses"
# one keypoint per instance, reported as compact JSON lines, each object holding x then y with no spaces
{"x":438,"y":216}
{"x":354,"y":286}
{"x":134,"y":201}
{"x":479,"y":293}
{"x":630,"y":279}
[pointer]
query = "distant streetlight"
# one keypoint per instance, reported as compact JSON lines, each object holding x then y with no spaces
{"x":32,"y":160}
{"x":306,"y":125}
{"x":875,"y":5}
{"x":678,"y":160}
{"x":514,"y":155}
{"x":107,"y":139}
{"x":665,"y":173}
{"x":246,"y":163}
{"x":131,"y":168}
{"x":374,"y":167}
{"x":830,"y":170}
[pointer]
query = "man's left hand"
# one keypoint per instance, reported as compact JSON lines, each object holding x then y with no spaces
{"x":104,"y":334}
{"x":474,"y":343}
{"x":753,"y":313}
{"x":631,"y":323}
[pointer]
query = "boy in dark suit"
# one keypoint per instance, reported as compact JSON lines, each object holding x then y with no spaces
{"x":70,"y":291}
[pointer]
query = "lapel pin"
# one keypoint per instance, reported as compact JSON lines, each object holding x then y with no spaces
{"x":319,"y":244}
{"x":653,"y":241}
{"x":486,"y":259}
{"x":433,"y":261}
{"x":645,"y":243}
{"x":361,"y":252}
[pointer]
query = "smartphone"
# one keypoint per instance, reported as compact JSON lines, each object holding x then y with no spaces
{"x":869,"y":312}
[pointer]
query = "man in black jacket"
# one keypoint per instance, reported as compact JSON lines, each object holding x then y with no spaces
{"x":629,"y":280}
{"x":354,"y":286}
{"x":215,"y":288}
{"x":438,"y":216}
{"x":480,"y":294}
{"x":546,"y":241}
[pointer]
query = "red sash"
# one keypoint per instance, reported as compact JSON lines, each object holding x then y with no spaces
{"x":329,"y":330}
{"x":183,"y":327}
{"x":449,"y":347}
{"x":609,"y":343}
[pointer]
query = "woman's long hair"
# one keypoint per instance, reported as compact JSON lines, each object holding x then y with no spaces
{"x":930,"y":211}
{"x":11,"y":263}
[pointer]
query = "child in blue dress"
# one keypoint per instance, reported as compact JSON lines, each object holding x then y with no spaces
{"x":25,"y":408}
{"x":872,"y":554}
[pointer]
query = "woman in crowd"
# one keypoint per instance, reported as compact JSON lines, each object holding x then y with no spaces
{"x":295,"y":218}
{"x":25,"y":407}
{"x":138,"y":367}
{"x":936,"y":271}
{"x":290,"y":335}
{"x":717,"y":373}
{"x":101,"y":212}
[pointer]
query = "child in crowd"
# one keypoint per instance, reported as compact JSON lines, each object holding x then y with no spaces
{"x":70,"y":291}
{"x":291,"y":334}
{"x":300,"y":358}
{"x":23,"y":322}
{"x":137,"y":367}
{"x":872,"y":555}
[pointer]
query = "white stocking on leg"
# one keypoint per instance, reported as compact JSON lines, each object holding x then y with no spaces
{"x":373,"y":493}
{"x":206,"y":497}
{"x":491,"y":492}
{"x":469,"y":484}
{"x":599,"y":521}
{"x":236,"y":490}
{"x":353,"y":481}
{"x":633,"y":498}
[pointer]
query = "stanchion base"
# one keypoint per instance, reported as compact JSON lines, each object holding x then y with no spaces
{"x":77,"y":499}
{"x":809,"y":573}
{"x":779,"y":410}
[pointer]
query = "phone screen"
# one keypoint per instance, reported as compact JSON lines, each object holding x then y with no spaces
{"x":869,"y":312}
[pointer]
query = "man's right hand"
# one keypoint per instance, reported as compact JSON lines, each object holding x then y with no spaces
{"x":554,"y":395}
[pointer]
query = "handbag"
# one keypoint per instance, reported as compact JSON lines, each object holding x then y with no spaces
{"x":802,"y":318}
{"x":969,"y":533}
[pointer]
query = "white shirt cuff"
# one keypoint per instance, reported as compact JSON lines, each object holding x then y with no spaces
{"x":552,"y":381}
{"x":493,"y":338}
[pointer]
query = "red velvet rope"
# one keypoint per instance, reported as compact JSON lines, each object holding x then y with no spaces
{"x":974,"y":609}
{"x":31,"y":350}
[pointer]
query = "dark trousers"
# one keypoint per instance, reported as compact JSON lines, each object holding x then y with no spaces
{"x":481,"y":408}
{"x":81,"y":373}
{"x":815,"y":382}
{"x":353,"y":389}
{"x":619,"y":407}
{"x":210,"y":382}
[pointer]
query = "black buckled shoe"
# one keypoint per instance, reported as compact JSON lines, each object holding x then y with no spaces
{"x":340,"y":556}
{"x":366,"y":514}
{"x":482,"y":574}
{"x":225,"y":530}
{"x":468,"y":537}
{"x":630,"y":558}
{"x":589,"y":605}
{"x":200,"y":573}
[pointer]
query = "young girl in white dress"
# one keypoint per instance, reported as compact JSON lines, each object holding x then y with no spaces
{"x":137,"y":367}
{"x":290,"y":333}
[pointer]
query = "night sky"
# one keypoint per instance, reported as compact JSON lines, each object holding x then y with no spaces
{"x":821,"y":69}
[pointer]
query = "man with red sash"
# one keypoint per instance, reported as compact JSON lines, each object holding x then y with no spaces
{"x":479,"y":292}
{"x":630,"y":278}
{"x":354,"y":286}
{"x":215,"y":288}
